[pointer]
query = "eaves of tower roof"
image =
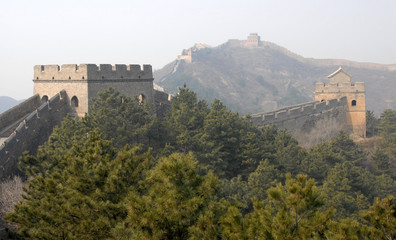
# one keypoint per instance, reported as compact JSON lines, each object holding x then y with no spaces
{"x":339,"y":70}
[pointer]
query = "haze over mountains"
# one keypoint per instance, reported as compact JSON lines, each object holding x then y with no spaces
{"x":7,"y":103}
{"x":263,"y":77}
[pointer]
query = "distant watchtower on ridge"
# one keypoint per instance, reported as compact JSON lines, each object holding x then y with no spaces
{"x":253,"y":40}
{"x":340,"y":85}
{"x":83,"y":82}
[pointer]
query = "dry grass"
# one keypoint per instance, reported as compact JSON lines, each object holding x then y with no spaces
{"x":10,"y":194}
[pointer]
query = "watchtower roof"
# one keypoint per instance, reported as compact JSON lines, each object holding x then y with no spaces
{"x":339,"y":76}
{"x":339,"y":70}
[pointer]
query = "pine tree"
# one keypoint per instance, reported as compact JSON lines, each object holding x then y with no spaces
{"x":85,"y":199}
{"x":295,"y":210}
{"x":288,"y":154}
{"x":371,"y":124}
{"x":221,"y":139}
{"x":381,"y":219}
{"x":122,"y":119}
{"x":387,"y":124}
{"x":349,"y":188}
{"x":174,"y":197}
{"x":185,"y":121}
{"x":50,"y":156}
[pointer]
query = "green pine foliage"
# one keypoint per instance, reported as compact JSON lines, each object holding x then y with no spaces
{"x":84,"y":199}
{"x":202,"y":172}
{"x":123,"y":120}
{"x":174,"y":197}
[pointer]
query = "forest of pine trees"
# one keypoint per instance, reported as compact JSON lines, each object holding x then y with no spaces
{"x":202,"y":172}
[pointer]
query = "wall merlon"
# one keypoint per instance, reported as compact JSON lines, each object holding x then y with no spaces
{"x":295,"y":112}
{"x":68,"y":68}
{"x":281,"y":114}
{"x":332,"y":102}
{"x":342,"y":100}
{"x":308,"y":108}
{"x":21,"y":127}
{"x":269,"y":117}
{"x":320,"y":106}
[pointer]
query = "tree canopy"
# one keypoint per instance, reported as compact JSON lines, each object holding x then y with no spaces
{"x":201,"y":172}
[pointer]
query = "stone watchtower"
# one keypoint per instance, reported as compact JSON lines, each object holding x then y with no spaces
{"x":340,"y":85}
{"x":253,"y":40}
{"x":83,"y":82}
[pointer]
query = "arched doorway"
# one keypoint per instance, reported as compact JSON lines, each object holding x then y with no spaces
{"x":44,"y":98}
{"x":74,"y":101}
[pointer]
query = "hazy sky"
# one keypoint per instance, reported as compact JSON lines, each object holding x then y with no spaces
{"x":154,"y":32}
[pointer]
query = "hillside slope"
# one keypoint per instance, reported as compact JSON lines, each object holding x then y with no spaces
{"x":267,"y":77}
{"x":7,"y":103}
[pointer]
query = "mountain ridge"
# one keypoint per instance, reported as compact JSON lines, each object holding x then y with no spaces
{"x":7,"y":103}
{"x":267,"y":76}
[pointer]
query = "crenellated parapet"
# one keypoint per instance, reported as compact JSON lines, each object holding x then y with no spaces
{"x":83,"y":82}
{"x":344,"y":87}
{"x":310,"y":123}
{"x":31,"y":132}
{"x":93,"y":72}
{"x":297,"y":111}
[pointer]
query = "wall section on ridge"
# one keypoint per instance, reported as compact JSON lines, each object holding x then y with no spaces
{"x":310,"y":123}
{"x":33,"y":131}
{"x":12,"y":115}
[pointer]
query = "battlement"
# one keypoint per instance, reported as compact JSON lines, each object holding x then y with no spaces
{"x":343,"y":87}
{"x":92,"y":72}
{"x":297,"y":111}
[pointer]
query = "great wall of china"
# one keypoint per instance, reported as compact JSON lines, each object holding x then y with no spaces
{"x":339,"y":105}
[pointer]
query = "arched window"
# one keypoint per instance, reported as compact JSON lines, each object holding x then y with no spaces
{"x":74,"y":101}
{"x":44,"y":98}
{"x":353,"y":103}
{"x":323,"y":100}
{"x":141,"y":98}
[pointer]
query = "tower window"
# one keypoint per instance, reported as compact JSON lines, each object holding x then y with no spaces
{"x":74,"y":101}
{"x":353,"y":103}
